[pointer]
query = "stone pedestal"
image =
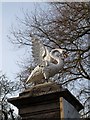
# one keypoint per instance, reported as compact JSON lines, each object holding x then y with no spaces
{"x":47,"y":100}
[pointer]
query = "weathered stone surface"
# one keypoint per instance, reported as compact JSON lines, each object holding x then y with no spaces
{"x":42,"y":89}
{"x":43,"y":101}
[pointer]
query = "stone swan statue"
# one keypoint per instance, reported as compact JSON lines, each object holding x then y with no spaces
{"x":51,"y":64}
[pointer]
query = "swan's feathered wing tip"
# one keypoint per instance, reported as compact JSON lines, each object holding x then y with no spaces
{"x":38,"y":50}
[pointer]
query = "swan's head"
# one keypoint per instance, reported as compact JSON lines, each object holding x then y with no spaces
{"x":60,"y":53}
{"x":57,"y":54}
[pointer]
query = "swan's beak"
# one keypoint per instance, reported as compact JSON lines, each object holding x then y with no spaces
{"x":65,"y":55}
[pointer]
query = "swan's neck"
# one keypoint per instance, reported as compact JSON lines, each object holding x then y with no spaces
{"x":58,"y":59}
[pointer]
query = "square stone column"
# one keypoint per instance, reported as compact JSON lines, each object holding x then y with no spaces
{"x":47,"y":100}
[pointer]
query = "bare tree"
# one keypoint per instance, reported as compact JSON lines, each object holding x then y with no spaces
{"x":63,"y":25}
{"x":7,"y":88}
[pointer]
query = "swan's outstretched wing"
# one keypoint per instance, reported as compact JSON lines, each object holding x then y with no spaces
{"x":38,"y":50}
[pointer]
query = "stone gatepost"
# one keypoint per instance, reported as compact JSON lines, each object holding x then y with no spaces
{"x":47,"y":100}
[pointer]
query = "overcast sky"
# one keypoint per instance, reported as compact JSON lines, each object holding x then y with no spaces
{"x":10,"y":56}
{"x":0,"y":36}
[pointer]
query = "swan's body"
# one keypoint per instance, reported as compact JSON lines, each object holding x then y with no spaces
{"x":47,"y":69}
{"x":48,"y":63}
